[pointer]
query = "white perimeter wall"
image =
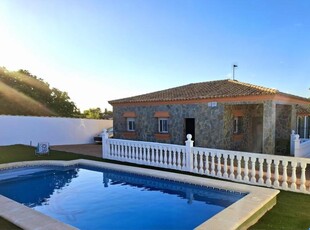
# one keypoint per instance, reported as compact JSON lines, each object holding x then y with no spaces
{"x":55,"y":130}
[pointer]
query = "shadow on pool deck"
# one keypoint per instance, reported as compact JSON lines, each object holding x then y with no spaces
{"x":94,"y":150}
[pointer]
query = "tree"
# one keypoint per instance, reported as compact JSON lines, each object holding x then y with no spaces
{"x":22,"y":93}
{"x":107,"y":114}
{"x":96,"y":113}
{"x":93,"y":113}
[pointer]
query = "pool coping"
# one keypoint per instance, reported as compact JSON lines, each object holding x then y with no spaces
{"x":239,"y":215}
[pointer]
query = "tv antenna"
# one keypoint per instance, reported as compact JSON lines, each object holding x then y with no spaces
{"x":234,"y":66}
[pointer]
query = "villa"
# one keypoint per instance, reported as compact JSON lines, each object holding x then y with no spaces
{"x":223,"y":114}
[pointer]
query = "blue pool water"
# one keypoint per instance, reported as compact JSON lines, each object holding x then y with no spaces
{"x":90,"y":198}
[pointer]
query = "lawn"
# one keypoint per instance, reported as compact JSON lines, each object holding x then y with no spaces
{"x":292,"y":210}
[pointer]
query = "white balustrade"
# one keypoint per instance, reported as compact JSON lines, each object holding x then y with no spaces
{"x":300,"y":147}
{"x":287,"y":173}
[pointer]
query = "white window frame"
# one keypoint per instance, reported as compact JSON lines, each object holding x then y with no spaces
{"x":131,"y":124}
{"x":161,"y":127}
{"x":236,"y":125}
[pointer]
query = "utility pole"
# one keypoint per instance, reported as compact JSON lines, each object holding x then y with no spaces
{"x":234,"y":66}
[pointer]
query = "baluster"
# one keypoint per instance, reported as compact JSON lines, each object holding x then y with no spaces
{"x":207,"y":168}
{"x":268,"y":181}
{"x":225,"y":175}
{"x":219,"y":165}
{"x":303,"y":166}
{"x":125,"y":151}
{"x":173,"y":158}
{"x":232,"y":168}
{"x":168,"y":157}
{"x":142,"y":153}
{"x":246,"y":168}
{"x":143,"y":149}
{"x":154,"y":155}
{"x":178,"y":151}
{"x":150,"y":155}
{"x":261,"y":172}
{"x":184,"y":158}
{"x":128,"y":151}
{"x":158,"y":155}
{"x":112,"y":149}
{"x":165,"y":157}
{"x":239,"y":177}
{"x":284,"y":167}
{"x":138,"y":149}
{"x":160,"y":159}
{"x":146,"y":154}
{"x":149,"y":152}
{"x":201,"y":166}
{"x":121,"y":149}
{"x":137,"y":152}
{"x":116,"y":149}
{"x":141,"y":146}
{"x":253,"y":170}
{"x":212,"y":164}
{"x":132,"y":151}
{"x":195,"y":161}
{"x":293,"y":185}
{"x":276,"y":173}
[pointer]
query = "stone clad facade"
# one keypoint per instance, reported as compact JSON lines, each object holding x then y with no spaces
{"x":255,"y":123}
{"x":213,"y":125}
{"x":207,"y":120}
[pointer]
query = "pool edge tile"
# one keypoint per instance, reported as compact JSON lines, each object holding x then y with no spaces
{"x":239,"y":215}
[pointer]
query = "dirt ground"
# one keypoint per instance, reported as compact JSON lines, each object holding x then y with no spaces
{"x":94,"y":150}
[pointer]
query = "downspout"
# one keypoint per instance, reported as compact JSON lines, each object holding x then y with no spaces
{"x":297,"y":125}
{"x":305,"y":127}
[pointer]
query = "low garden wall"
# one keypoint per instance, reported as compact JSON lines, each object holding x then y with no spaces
{"x":30,"y":130}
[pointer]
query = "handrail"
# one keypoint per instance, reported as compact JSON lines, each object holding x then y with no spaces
{"x":281,"y":172}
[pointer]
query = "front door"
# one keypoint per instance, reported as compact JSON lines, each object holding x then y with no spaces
{"x":257,"y":135}
{"x":190,"y":127}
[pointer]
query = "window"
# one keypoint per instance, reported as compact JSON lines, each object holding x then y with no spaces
{"x":131,"y":124}
{"x":212,"y":104}
{"x":238,"y":125}
{"x":163,"y":125}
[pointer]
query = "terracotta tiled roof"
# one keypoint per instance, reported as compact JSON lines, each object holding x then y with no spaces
{"x":204,"y":90}
{"x":303,"y":110}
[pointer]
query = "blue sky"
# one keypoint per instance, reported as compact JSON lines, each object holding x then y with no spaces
{"x":103,"y":50}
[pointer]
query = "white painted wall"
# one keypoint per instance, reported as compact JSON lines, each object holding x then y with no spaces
{"x":55,"y":130}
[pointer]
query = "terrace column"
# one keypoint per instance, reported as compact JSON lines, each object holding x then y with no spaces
{"x":269,"y":127}
{"x":105,"y":144}
{"x":189,"y":156}
{"x":294,"y":118}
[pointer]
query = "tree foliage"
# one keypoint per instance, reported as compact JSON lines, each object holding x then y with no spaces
{"x":22,"y":93}
{"x":96,"y":113}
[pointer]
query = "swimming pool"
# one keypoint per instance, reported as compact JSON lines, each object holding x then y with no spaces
{"x":173,"y":204}
{"x":93,"y":198}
